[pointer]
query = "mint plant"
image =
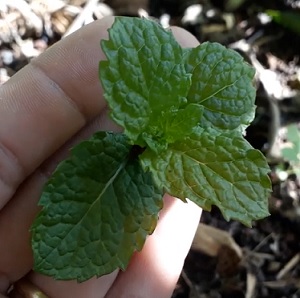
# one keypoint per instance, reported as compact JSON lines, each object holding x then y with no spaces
{"x":184,"y":112}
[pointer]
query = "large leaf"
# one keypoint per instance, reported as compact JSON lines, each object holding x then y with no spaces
{"x":222,"y":83}
{"x":98,"y":208}
{"x":213,"y":168}
{"x":143,"y":77}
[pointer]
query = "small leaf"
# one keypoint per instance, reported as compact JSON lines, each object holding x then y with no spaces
{"x":183,"y":123}
{"x":143,"y":77}
{"x":98,"y":208}
{"x":214,"y":168}
{"x":177,"y":124}
{"x":222,"y":83}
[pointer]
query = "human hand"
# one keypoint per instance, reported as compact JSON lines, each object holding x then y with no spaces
{"x":45,"y":108}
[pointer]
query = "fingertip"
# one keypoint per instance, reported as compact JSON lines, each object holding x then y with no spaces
{"x":184,"y":38}
{"x":154,"y":271}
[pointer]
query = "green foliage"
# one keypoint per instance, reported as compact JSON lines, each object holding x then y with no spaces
{"x":98,"y":208}
{"x":214,"y":168}
{"x":183,"y":112}
{"x":288,"y":19}
{"x":143,"y":79}
{"x":222,"y":84}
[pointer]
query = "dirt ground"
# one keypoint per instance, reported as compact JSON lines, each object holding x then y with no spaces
{"x":262,"y":261}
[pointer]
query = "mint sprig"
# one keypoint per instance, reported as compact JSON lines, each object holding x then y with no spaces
{"x":184,"y":112}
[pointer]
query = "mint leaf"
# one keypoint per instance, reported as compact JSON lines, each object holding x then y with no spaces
{"x":222,"y":83}
{"x":176,"y":124}
{"x":214,"y":168}
{"x":143,"y":77}
{"x":98,"y":208}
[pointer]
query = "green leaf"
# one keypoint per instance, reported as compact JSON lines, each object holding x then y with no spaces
{"x":143,"y":77}
{"x":222,"y":83}
{"x":98,"y":208}
{"x":214,"y":168}
{"x":177,"y":124}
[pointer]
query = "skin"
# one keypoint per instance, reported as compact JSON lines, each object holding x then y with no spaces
{"x":48,"y":106}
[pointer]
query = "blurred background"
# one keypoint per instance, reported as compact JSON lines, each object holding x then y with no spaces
{"x":226,"y":258}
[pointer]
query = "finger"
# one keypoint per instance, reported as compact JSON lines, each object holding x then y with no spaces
{"x":95,"y":287}
{"x":155,"y":271}
{"x":45,"y":132}
{"x":47,"y":102}
{"x":151,"y":273}
{"x":17,"y":216}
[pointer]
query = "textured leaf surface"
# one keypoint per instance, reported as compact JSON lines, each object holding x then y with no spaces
{"x":213,"y":168}
{"x":98,"y":208}
{"x":183,"y":123}
{"x":222,"y":83}
{"x":143,"y":77}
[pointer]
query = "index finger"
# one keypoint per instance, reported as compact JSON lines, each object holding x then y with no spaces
{"x":47,"y":102}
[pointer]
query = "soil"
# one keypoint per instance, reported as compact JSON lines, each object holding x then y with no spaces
{"x":269,"y":266}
